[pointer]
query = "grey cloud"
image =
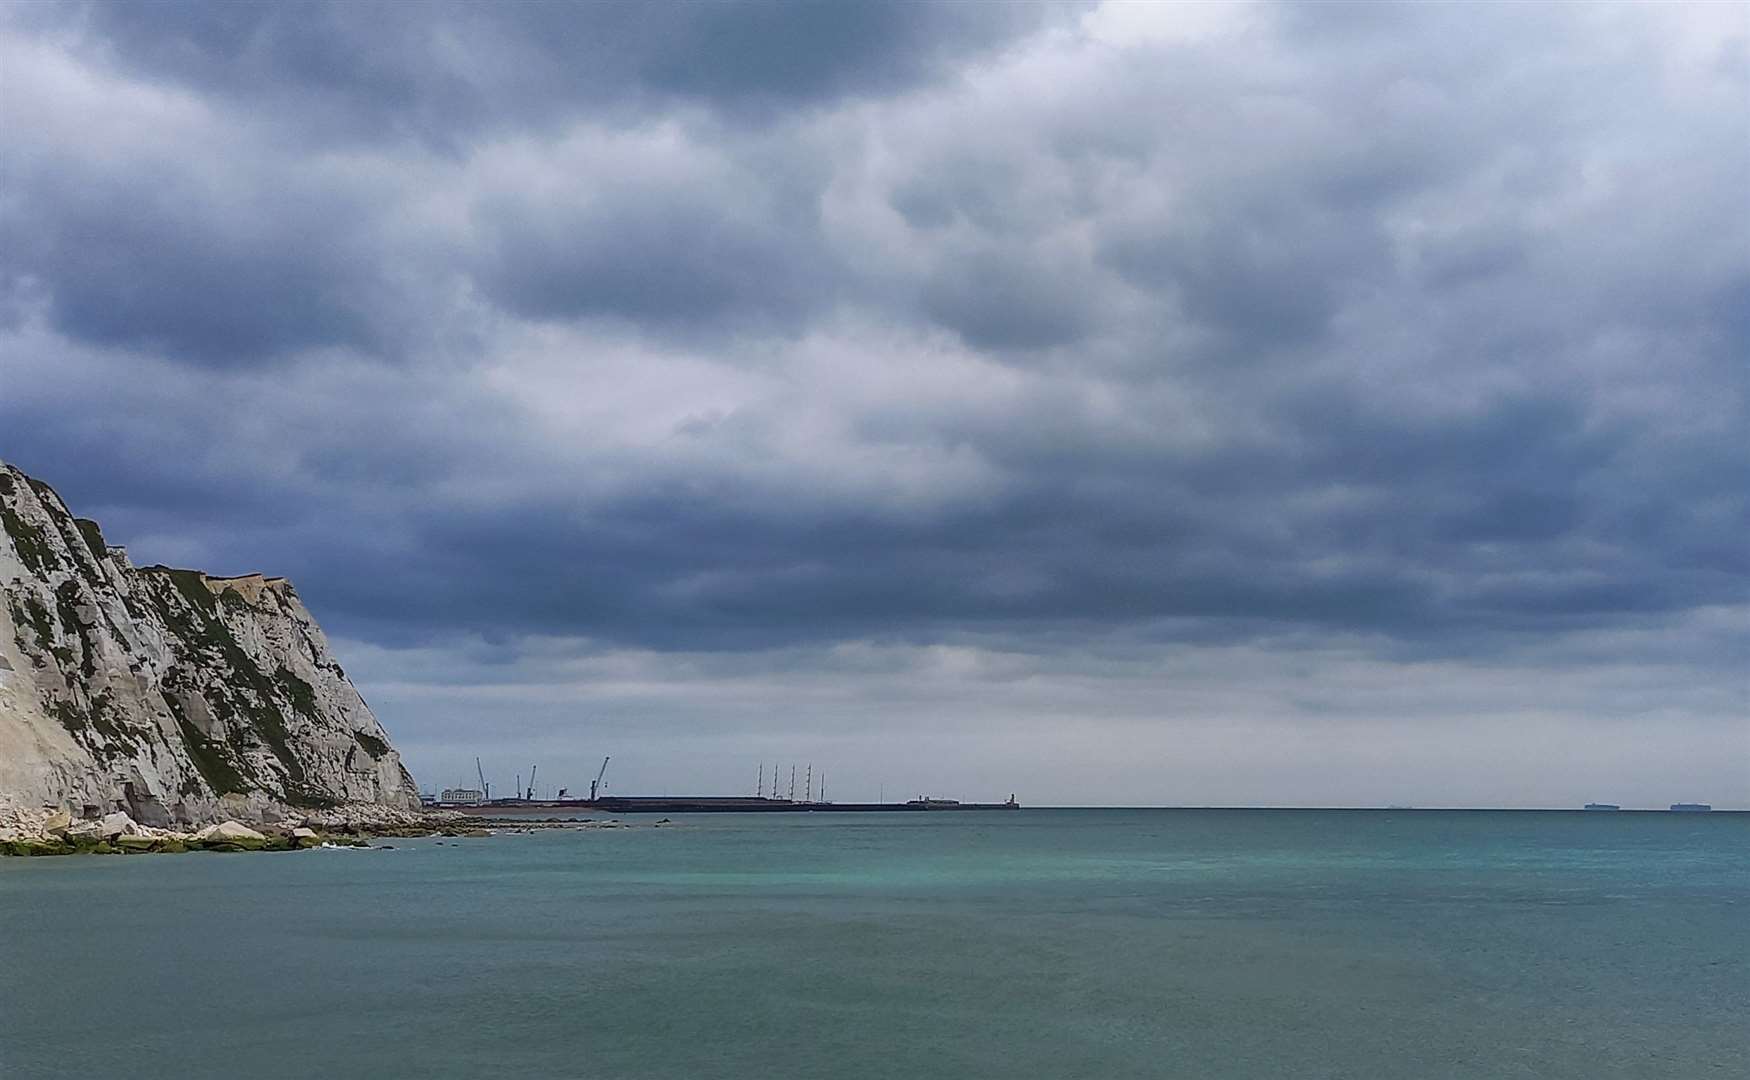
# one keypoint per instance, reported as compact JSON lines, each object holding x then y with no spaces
{"x":440,"y":70}
{"x":242,"y":252}
{"x":1268,"y":275}
{"x":683,"y":255}
{"x":153,"y":262}
{"x":773,"y":50}
{"x":1419,"y":559}
{"x":1005,"y":300}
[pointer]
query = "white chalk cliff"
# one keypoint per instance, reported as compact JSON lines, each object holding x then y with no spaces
{"x":168,"y":694}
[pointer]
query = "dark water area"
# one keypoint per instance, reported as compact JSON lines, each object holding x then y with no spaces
{"x":1042,"y":943}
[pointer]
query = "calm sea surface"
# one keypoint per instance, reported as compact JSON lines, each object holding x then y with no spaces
{"x":1044,"y":943}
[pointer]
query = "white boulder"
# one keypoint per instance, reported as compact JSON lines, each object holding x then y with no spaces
{"x":107,"y":827}
{"x":118,"y":824}
{"x":228,"y":830}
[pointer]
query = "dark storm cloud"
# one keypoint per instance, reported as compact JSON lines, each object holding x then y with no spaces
{"x":1268,"y":273}
{"x":743,"y":328}
{"x":440,"y":70}
{"x":152,"y":261}
{"x":242,"y":247}
{"x":997,"y":300}
{"x":662,"y":251}
{"x":1485,"y":523}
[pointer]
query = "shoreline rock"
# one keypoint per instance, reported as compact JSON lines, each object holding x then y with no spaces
{"x":31,"y":833}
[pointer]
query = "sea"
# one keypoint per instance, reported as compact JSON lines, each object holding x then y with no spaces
{"x":1039,"y":943}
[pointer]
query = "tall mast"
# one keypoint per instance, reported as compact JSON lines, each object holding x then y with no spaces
{"x":759,"y":789}
{"x":792,"y":783}
{"x":808,"y":785}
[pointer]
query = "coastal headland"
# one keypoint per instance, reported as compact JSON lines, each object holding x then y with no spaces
{"x":141,"y":708}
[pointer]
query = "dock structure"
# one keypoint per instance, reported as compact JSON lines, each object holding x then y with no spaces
{"x":737,"y":804}
{"x":766,"y":799}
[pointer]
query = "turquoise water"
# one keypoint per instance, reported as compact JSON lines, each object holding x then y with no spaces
{"x":1044,"y":943}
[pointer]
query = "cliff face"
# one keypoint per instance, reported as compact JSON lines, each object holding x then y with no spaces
{"x":174,"y":696}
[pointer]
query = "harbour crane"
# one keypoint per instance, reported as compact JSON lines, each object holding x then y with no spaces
{"x":485,"y":788}
{"x":530,"y":797}
{"x":596,"y":783}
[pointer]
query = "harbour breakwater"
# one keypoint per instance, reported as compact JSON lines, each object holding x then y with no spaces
{"x":731,"y":804}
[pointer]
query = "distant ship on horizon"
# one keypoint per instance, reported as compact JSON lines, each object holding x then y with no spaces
{"x":1691,"y":807}
{"x":1602,"y":806}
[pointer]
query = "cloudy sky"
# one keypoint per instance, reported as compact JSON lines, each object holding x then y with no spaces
{"x":1302,"y":404}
